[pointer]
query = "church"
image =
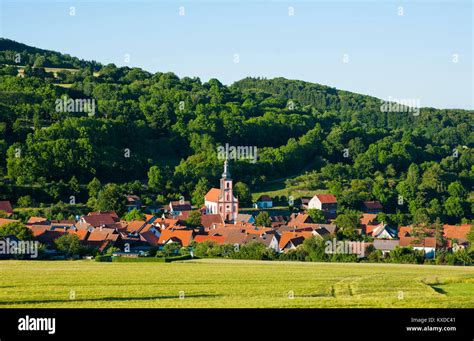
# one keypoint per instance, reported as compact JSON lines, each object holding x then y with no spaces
{"x":222,"y":200}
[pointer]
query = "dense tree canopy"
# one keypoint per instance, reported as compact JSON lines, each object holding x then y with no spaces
{"x":164,"y":131}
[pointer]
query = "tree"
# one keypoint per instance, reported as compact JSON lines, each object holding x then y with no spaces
{"x":201,"y":189}
{"x":69,"y":244}
{"x":134,"y":215}
{"x":111,"y":198}
{"x":94,"y":188}
{"x":454,"y":208}
{"x":455,"y":189}
{"x":25,"y":201}
{"x":194,"y":218}
{"x":242,"y":192}
{"x":171,"y":249}
{"x":317,"y":216}
{"x":74,"y":186}
{"x":348,"y":222}
{"x":156,"y":180}
{"x":263,"y":219}
{"x":16,"y":229}
{"x":439,"y":233}
{"x":421,"y":217}
{"x":316,"y":249}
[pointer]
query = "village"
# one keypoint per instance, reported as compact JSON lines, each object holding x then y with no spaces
{"x":220,"y":222}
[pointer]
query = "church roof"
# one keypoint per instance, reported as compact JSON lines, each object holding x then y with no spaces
{"x":213,"y":195}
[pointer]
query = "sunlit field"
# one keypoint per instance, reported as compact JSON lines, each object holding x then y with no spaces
{"x":219,"y":283}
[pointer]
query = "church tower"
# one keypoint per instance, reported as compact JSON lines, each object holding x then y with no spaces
{"x":228,"y":204}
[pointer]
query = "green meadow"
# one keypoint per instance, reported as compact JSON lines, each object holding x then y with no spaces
{"x":219,"y":283}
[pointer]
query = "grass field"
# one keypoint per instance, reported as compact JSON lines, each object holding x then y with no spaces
{"x":232,"y":283}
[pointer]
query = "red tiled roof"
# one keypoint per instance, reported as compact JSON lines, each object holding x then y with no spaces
{"x":81,"y":234}
{"x":35,"y":220}
{"x":38,"y":229}
{"x":367,"y":218}
{"x":264,"y":198}
{"x":97,"y":220}
{"x":213,"y":195}
{"x":184,"y":237}
{"x":296,"y":237}
{"x":47,"y":236}
{"x":179,"y":206}
{"x":109,"y":213}
{"x":148,"y":217}
{"x":6,"y":206}
{"x":202,"y":238}
{"x":166,"y":223}
{"x":102,"y":234}
{"x":456,"y":231}
{"x":149,"y":237}
{"x":135,"y":225}
{"x":370,"y":228}
{"x":232,"y":234}
{"x":371,"y":205}
{"x":412,"y":241}
{"x":4,"y":221}
{"x":404,"y":231}
{"x":326,"y":198}
{"x":301,"y":218}
{"x":207,"y":220}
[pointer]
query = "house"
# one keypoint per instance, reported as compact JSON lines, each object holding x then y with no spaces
{"x":208,"y":220}
{"x":222,"y":200}
{"x":264,"y":202}
{"x":214,"y":238}
{"x":278,"y":220}
{"x":183,"y":237}
{"x":6,"y":206}
{"x":133,"y":202}
{"x":165,"y":223}
{"x":323,"y":202}
{"x":232,"y":235}
{"x":386,"y":245}
{"x":112,"y":214}
{"x":299,"y":218}
{"x":135,"y":226}
{"x":427,"y":245}
{"x":245,"y":218}
{"x":305,"y":202}
{"x":458,"y":232}
{"x":368,"y":222}
{"x":37,"y":220}
{"x":4,"y":221}
{"x":291,"y":240}
{"x":267,"y":239}
{"x":373,"y":207}
{"x":179,"y":206}
{"x":150,"y":234}
{"x":62,"y":224}
{"x":100,"y":219}
{"x":381,"y":231}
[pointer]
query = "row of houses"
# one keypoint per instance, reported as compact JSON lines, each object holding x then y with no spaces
{"x":104,"y":229}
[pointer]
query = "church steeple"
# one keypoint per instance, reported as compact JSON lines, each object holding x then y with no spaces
{"x":226,"y":174}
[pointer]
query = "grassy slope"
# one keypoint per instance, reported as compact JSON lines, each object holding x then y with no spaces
{"x":278,"y":188}
{"x":226,"y":283}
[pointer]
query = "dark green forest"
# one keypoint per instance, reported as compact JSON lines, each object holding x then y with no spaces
{"x":156,"y":135}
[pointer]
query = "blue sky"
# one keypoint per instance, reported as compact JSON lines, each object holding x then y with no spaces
{"x":389,"y":55}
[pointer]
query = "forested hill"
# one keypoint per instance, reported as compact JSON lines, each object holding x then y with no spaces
{"x":15,"y":53}
{"x":157,"y":134}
